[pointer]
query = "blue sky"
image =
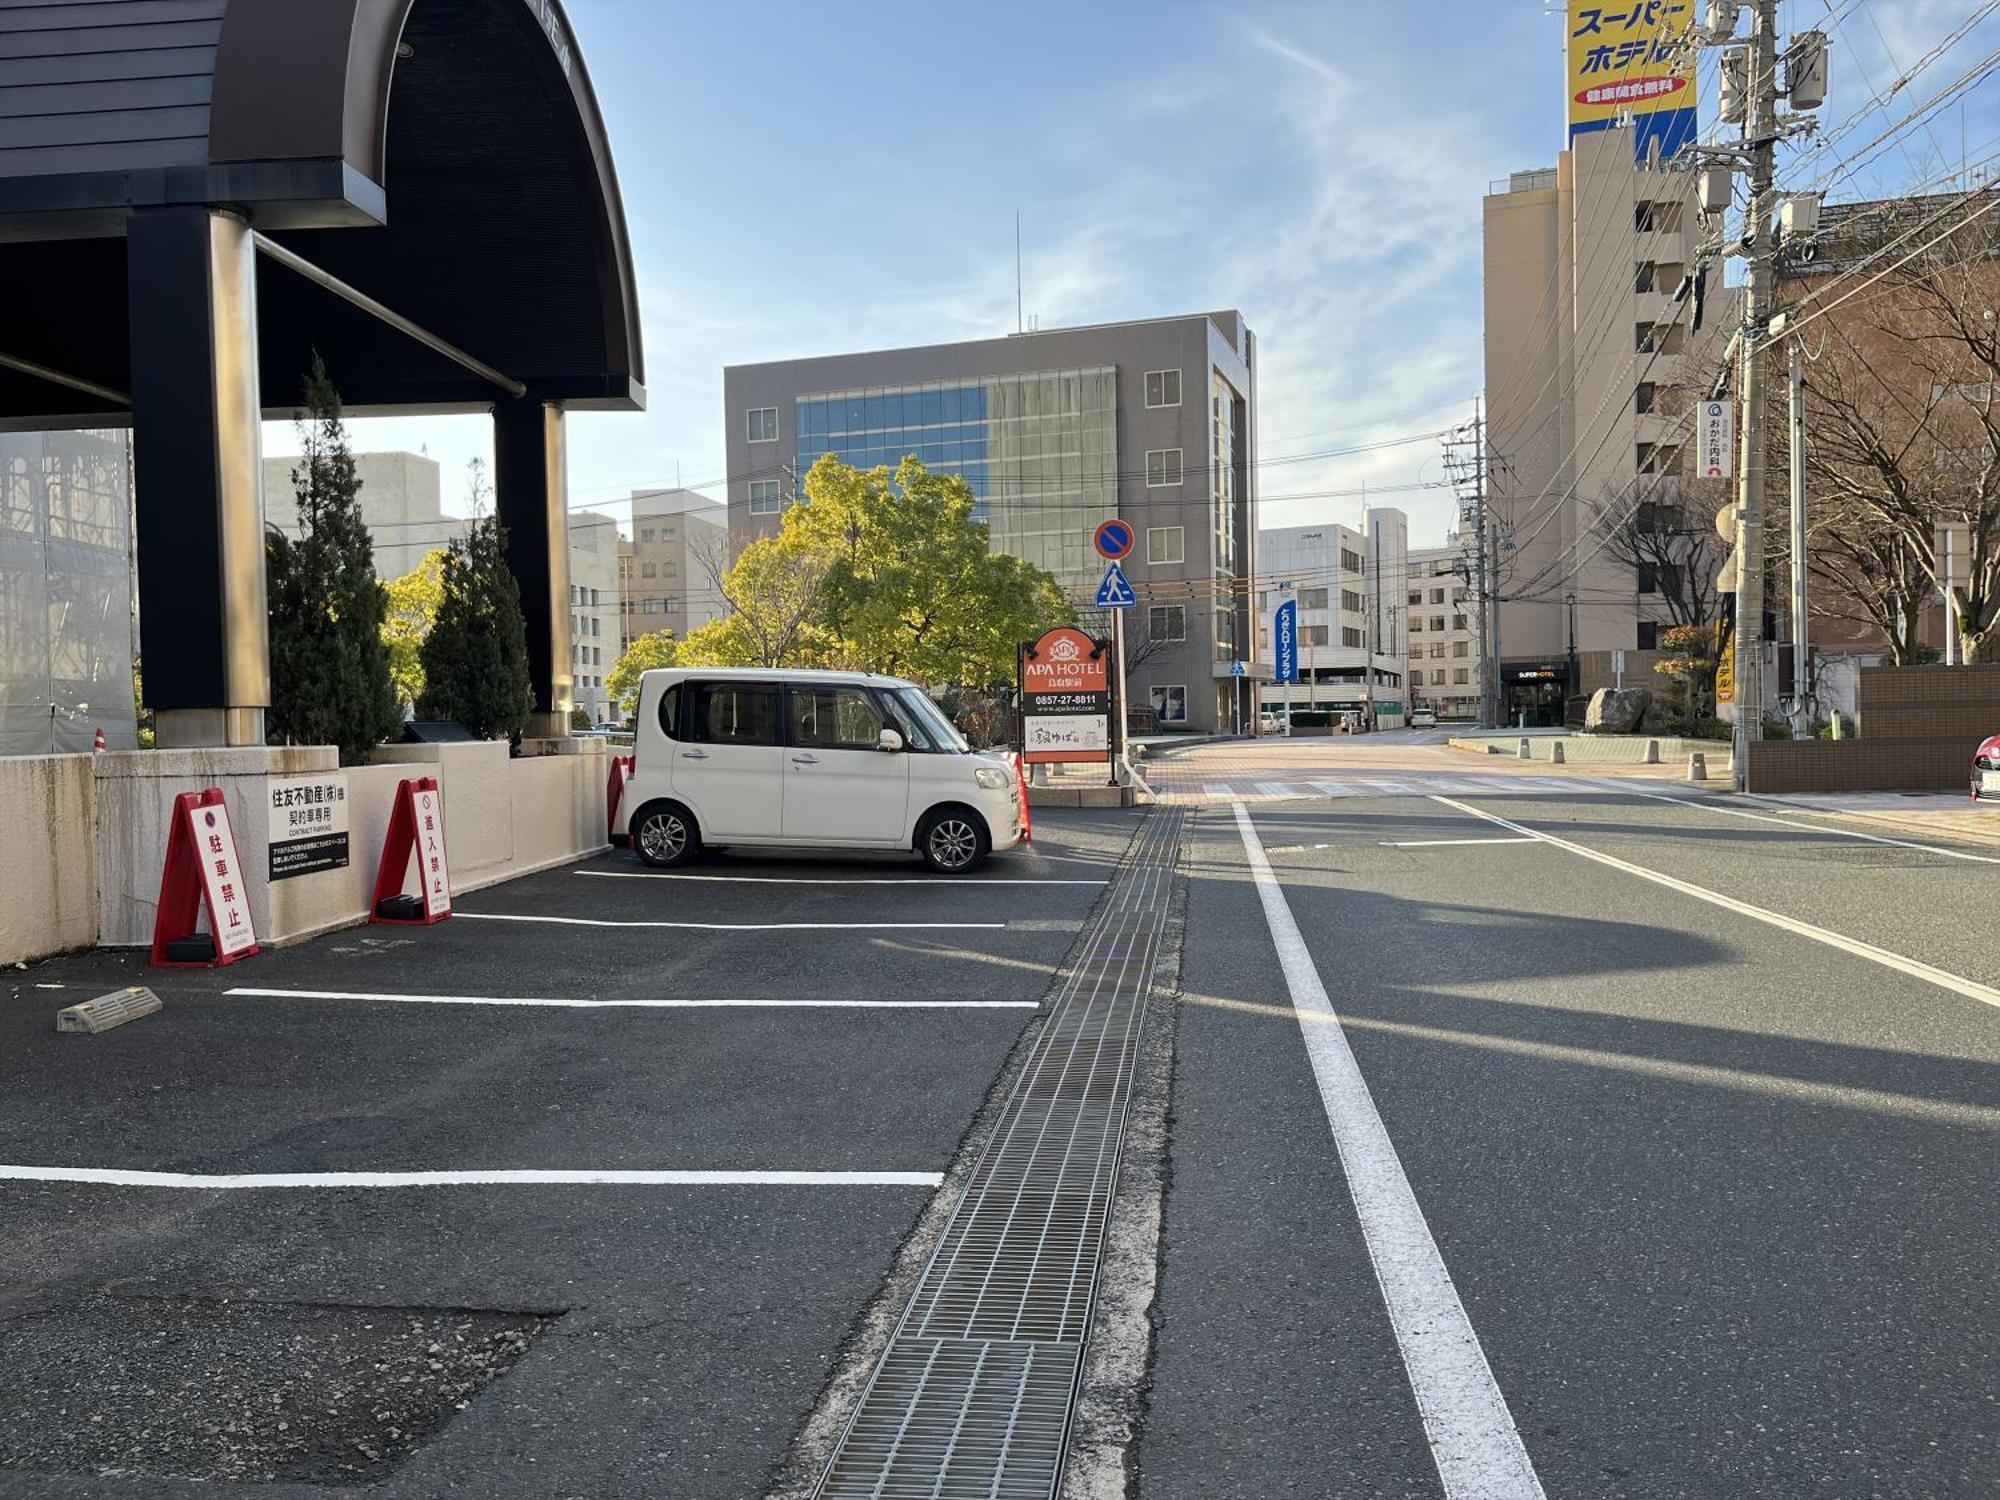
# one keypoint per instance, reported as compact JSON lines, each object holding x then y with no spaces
{"x":811,"y":176}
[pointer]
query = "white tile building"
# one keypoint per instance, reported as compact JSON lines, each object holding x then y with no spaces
{"x":1350,"y":589}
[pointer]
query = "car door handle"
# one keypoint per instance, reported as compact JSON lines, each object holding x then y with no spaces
{"x":805,"y":760}
{"x":694,"y":755}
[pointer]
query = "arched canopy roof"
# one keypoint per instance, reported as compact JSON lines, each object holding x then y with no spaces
{"x":447,"y":157}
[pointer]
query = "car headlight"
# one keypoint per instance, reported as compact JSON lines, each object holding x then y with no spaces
{"x":990,"y":777}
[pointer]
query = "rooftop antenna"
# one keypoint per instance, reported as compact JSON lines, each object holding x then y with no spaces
{"x":1017,"y":270}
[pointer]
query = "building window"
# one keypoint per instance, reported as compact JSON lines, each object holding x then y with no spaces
{"x":1349,"y":636}
{"x":1312,"y":598}
{"x":1644,"y":397}
{"x":1649,"y":579}
{"x":1167,"y":622}
{"x":1166,"y":544}
{"x":649,"y":607}
{"x":649,"y":571}
{"x":762,"y":422}
{"x":1416,"y":624}
{"x":1163,"y":387}
{"x":1170,"y":703}
{"x":764,"y":501}
{"x":1649,"y":635}
{"x":1437,"y":596}
{"x":646,"y":535}
{"x":1416,"y":596}
{"x":1461,"y":648}
{"x":1350,"y":562}
{"x":1163,"y":466}
{"x":1457,"y":675}
{"x":1352,"y":602}
{"x":1643,"y":221}
{"x":1437,"y":648}
{"x":1458,"y":622}
{"x":1312,"y":635}
{"x":1642,"y":279}
{"x":1437,"y":622}
{"x":673,"y":606}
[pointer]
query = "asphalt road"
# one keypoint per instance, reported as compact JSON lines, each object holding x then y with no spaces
{"x":663,"y":1338}
{"x":1716,"y":1196}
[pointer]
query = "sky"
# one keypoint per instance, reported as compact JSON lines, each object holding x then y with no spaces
{"x":807,"y":177}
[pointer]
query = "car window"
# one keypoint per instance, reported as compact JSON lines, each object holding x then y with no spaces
{"x":728,"y":713}
{"x":670,"y":712}
{"x":924,"y":723}
{"x":838,"y":718}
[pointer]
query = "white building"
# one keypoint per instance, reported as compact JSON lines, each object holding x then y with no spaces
{"x":1350,"y":587}
{"x":399,"y":502}
{"x":1441,"y":611}
{"x":593,"y":599}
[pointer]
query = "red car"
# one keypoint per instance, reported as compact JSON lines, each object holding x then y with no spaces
{"x":1986,"y":771}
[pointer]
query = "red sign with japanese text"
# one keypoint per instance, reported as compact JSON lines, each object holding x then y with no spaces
{"x":1066,"y":698}
{"x":416,"y":829}
{"x":202,"y":873}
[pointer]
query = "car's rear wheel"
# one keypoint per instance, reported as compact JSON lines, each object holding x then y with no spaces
{"x":665,"y":835}
{"x":953,"y":840}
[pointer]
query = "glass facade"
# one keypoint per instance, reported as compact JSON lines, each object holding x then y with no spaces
{"x":1040,"y":452}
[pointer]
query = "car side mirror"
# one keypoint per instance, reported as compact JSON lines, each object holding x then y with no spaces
{"x":890,"y":739}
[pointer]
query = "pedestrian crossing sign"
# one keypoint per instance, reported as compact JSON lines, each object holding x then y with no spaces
{"x":1115,"y":592}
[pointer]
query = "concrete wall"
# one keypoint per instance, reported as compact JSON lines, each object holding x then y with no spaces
{"x":93,"y":832}
{"x":48,"y":805}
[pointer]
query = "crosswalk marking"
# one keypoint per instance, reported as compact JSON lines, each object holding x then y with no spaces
{"x":1416,"y":784}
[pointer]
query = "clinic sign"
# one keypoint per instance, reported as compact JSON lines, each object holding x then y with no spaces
{"x":1066,"y":698}
{"x":308,"y":824}
{"x":1714,"y":437}
{"x":1630,"y":63}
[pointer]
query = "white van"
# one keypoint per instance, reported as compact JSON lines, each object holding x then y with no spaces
{"x":831,"y":760}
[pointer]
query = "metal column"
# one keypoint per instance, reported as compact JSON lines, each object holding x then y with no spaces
{"x":531,"y":498}
{"x":196,"y":413}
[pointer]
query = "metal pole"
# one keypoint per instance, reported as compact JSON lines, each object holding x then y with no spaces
{"x":1760,"y":132}
{"x":1951,"y":647}
{"x":1118,"y":686}
{"x":1801,"y":619}
{"x":57,"y":377}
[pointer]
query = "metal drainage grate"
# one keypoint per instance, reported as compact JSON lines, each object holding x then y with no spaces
{"x":972,"y":1397}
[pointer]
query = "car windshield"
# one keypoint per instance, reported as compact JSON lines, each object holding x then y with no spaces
{"x":927,"y":720}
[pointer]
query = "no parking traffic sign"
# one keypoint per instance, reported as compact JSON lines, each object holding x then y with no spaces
{"x":1114,"y":539}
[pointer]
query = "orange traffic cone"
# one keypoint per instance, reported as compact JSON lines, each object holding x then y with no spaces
{"x":97,"y":745}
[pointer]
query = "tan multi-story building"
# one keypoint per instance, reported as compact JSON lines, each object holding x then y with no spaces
{"x":670,"y":565}
{"x":594,"y":609}
{"x":1593,"y":366}
{"x":1442,"y":613}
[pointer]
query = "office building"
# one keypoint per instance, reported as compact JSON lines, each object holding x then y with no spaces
{"x":1442,"y":611}
{"x":594,"y":609}
{"x":1055,"y":431}
{"x":677,"y":551}
{"x":1349,"y":585}
{"x":399,"y":503}
{"x":1593,"y":365}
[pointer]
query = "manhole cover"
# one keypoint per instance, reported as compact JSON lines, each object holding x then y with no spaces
{"x":275,"y":1391}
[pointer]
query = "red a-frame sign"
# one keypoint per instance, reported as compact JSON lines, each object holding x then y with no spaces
{"x":201,"y":869}
{"x":416,"y":826}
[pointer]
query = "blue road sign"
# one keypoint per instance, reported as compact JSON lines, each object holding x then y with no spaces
{"x":1285,"y":639}
{"x":1236,"y":669}
{"x":1115,"y":592}
{"x":1114,"y":539}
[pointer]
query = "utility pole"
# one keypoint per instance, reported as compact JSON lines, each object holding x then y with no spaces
{"x":1465,"y":461}
{"x":1801,"y":651}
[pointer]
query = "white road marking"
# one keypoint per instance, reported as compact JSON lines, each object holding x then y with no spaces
{"x":1915,"y":968}
{"x":1390,"y":788}
{"x":567,"y":1003}
{"x":1843,"y":833}
{"x":1331,"y":788}
{"x":1278,"y":789}
{"x":1218,"y":789}
{"x":1443,"y":843}
{"x":1478,"y":1451}
{"x":117,"y":1177}
{"x":833,"y":880}
{"x":506,"y":916}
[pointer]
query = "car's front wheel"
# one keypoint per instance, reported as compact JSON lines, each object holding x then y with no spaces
{"x":953,"y":840}
{"x":665,"y":835}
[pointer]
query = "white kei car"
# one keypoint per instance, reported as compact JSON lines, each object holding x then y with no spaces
{"x":829,"y":760}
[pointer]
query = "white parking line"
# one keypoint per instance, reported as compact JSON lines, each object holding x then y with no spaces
{"x":117,"y":1177}
{"x":507,"y":916}
{"x":1843,"y":833}
{"x":1473,"y":1439}
{"x":835,"y":879}
{"x":1448,"y":843}
{"x":1915,"y":968}
{"x":805,"y":1002}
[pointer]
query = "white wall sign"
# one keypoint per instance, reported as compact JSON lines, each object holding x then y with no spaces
{"x":1715,"y":437}
{"x":308,"y":824}
{"x":1067,"y":732}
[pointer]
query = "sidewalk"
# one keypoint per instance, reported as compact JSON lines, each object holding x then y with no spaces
{"x":1950,"y":815}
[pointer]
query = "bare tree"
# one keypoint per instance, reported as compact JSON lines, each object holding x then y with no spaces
{"x":1668,"y":541}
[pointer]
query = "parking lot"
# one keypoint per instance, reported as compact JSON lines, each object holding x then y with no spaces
{"x":580,"y":1193}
